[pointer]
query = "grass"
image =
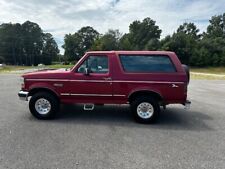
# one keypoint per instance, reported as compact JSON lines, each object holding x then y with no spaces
{"x":58,"y":66}
{"x":206,"y":77}
{"x":9,"y":68}
{"x":211,"y":70}
{"x":209,"y":73}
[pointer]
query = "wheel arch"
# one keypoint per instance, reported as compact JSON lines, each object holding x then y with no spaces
{"x":140,"y":93}
{"x":43,"y":89}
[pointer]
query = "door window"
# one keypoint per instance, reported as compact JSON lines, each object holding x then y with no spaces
{"x":95,"y":64}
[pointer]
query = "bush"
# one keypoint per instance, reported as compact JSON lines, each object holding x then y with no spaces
{"x":2,"y":59}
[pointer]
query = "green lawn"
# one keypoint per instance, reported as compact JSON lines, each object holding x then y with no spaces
{"x":9,"y":68}
{"x":210,"y":73}
{"x":206,"y":77}
{"x":58,"y":66}
{"x":211,"y":70}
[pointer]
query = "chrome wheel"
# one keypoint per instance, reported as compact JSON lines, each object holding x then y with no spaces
{"x":145,"y":110}
{"x":42,"y":106}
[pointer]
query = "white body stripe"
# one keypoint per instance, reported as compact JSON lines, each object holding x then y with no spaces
{"x":102,"y":95}
{"x":64,"y":94}
{"x":104,"y":81}
{"x":118,"y":95}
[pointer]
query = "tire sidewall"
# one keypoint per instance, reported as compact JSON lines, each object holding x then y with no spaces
{"x":150,"y":100}
{"x":50,"y":98}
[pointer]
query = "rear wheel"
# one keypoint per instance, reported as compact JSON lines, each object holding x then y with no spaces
{"x":145,"y":109}
{"x":43,"y":105}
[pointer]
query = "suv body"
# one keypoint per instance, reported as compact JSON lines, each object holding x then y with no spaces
{"x":110,"y":77}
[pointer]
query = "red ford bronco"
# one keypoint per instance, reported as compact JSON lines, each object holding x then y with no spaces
{"x":144,"y":79}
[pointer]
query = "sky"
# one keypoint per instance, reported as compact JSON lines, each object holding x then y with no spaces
{"x":60,"y":17}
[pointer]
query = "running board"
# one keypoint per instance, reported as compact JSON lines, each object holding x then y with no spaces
{"x":89,"y":107}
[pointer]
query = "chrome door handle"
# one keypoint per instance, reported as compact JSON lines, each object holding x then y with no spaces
{"x":107,"y":78}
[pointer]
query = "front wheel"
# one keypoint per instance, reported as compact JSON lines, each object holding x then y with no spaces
{"x":43,"y":106}
{"x":145,"y":109}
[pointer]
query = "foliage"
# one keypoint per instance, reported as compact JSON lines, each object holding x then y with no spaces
{"x":78,"y":43}
{"x":183,"y":42}
{"x":142,"y":36}
{"x":2,"y":59}
{"x":26,"y":44}
{"x":213,"y":43}
{"x":206,"y":49}
{"x":50,"y":49}
{"x":109,"y":41}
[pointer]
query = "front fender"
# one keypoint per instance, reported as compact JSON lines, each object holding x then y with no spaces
{"x":42,"y":85}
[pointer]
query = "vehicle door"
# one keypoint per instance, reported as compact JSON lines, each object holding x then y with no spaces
{"x":91,"y":81}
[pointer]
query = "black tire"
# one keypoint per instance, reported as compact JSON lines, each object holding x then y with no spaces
{"x":142,"y":100}
{"x":51,"y":99}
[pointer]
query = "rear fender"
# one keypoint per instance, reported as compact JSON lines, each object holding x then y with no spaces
{"x":146,"y":91}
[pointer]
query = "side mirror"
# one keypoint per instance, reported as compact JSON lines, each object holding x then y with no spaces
{"x":86,"y":71}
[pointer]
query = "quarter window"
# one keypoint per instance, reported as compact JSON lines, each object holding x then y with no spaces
{"x":96,"y":64}
{"x":147,"y":63}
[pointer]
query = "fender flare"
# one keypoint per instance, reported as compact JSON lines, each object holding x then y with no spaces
{"x":37,"y":88}
{"x":144,"y":92}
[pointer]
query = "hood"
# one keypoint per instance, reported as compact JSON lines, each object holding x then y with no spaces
{"x":46,"y":74}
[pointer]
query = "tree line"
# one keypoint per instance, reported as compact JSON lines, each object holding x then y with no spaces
{"x":27,"y":44}
{"x":192,"y":47}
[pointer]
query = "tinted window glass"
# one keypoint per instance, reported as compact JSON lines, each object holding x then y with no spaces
{"x":147,"y":63}
{"x":96,"y":64}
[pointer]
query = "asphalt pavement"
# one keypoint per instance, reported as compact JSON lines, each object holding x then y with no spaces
{"x":108,"y":138}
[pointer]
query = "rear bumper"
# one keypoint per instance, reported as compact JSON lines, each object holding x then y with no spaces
{"x":187,"y":104}
{"x":23,"y":95}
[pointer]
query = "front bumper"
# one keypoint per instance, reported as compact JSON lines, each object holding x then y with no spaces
{"x":23,"y":95}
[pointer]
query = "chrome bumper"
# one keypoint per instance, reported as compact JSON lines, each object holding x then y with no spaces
{"x":23,"y":95}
